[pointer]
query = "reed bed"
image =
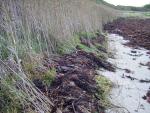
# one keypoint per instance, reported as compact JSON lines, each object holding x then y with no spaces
{"x":40,"y":27}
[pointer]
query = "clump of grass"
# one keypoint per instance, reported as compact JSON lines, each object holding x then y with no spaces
{"x":29,"y":64}
{"x":29,"y":69}
{"x":4,"y":52}
{"x":18,"y":84}
{"x":9,"y":101}
{"x":94,"y":48}
{"x":35,"y":70}
{"x":75,"y":42}
{"x":49,"y":76}
{"x":87,"y":34}
{"x":105,"y":86}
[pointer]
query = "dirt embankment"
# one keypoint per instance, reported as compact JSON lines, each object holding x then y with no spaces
{"x":135,"y":30}
{"x":74,"y":89}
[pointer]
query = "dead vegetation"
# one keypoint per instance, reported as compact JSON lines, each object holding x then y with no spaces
{"x":40,"y":26}
{"x":75,"y":87}
{"x":135,"y":30}
{"x":70,"y":81}
{"x":29,"y":28}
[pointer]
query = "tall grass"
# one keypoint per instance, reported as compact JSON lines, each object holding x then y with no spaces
{"x":37,"y":25}
{"x":41,"y":26}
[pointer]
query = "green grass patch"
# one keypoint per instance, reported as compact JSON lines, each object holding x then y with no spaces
{"x":87,"y":34}
{"x":49,"y":76}
{"x":9,"y":103}
{"x":105,"y":85}
{"x":70,"y":45}
{"x":9,"y":97}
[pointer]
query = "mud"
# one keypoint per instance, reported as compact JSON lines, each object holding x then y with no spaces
{"x":89,"y":41}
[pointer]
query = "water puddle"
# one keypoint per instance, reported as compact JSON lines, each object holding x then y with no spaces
{"x":128,"y":91}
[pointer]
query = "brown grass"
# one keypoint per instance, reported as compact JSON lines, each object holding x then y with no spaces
{"x":40,"y":25}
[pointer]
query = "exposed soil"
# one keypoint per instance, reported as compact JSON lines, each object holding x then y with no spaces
{"x":74,"y":88}
{"x":93,"y":40}
{"x":96,"y":41}
{"x":135,"y":30}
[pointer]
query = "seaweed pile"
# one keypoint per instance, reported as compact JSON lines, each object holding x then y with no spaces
{"x":74,"y":88}
{"x":134,"y":29}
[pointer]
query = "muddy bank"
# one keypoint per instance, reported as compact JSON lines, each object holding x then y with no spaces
{"x":74,"y":88}
{"x":135,"y":30}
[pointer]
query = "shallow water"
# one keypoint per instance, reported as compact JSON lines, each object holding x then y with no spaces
{"x":128,"y":93}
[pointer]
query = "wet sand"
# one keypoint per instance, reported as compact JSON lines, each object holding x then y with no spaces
{"x":128,"y":90}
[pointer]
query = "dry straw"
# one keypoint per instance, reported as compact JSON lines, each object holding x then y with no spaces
{"x":40,"y":25}
{"x":37,"y":26}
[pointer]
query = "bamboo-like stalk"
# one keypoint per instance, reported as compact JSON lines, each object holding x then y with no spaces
{"x":39,"y":26}
{"x":58,"y":18}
